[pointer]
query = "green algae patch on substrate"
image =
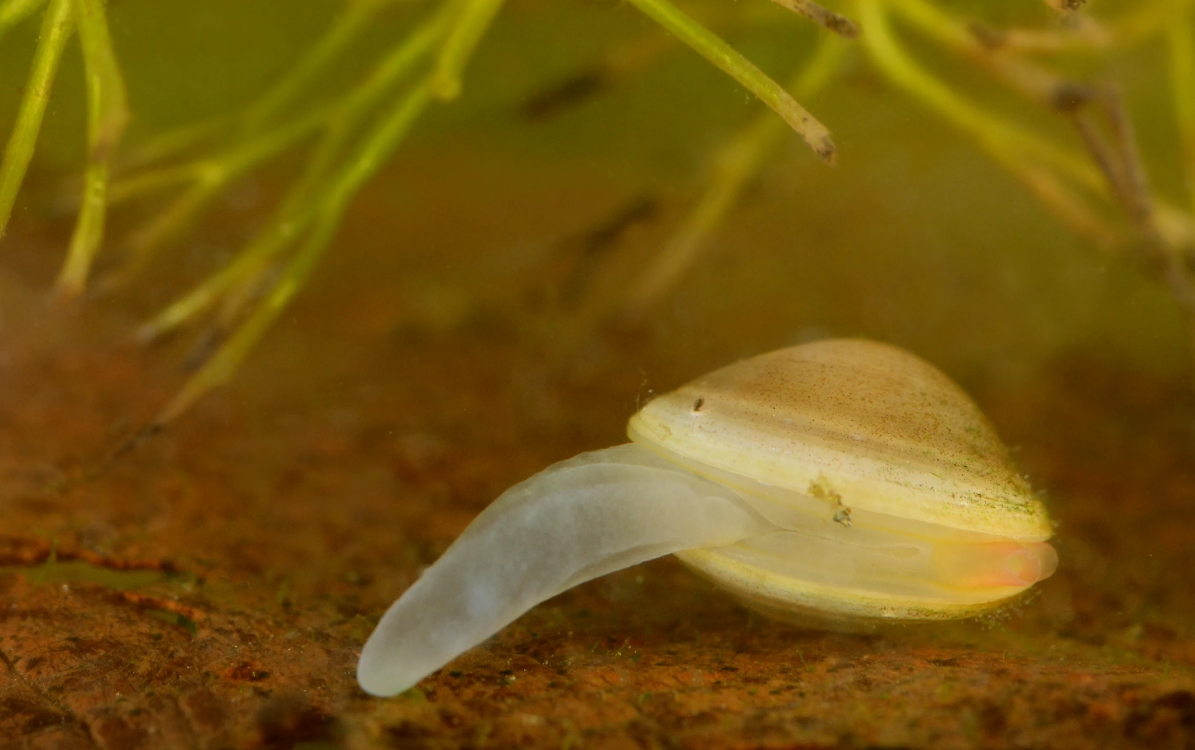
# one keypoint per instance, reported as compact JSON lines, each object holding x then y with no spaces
{"x":121,"y":581}
{"x":78,"y":571}
{"x":174,"y":618}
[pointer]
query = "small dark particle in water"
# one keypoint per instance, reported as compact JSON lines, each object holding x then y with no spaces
{"x":592,"y":247}
{"x":1070,"y":96}
{"x":601,"y":237}
{"x":700,"y":402}
{"x":989,"y":37}
{"x":565,"y":94}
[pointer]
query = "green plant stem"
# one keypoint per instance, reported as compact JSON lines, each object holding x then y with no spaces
{"x":471,"y":19}
{"x":1041,"y":163}
{"x":107,"y":114}
{"x":13,"y":12}
{"x":357,"y":106}
{"x":55,"y":30}
{"x":1010,"y":145}
{"x":293,"y":218}
{"x":257,"y":255}
{"x":342,"y":127}
{"x":153,"y":181}
{"x":172,"y":142}
{"x":1145,"y":20}
{"x":1031,"y":79}
{"x":209,"y":177}
{"x":105,"y":82}
{"x":1182,"y":87}
{"x":323,"y":53}
{"x":264,"y":110}
{"x":1034,"y":161}
{"x":364,"y":164}
{"x":734,"y":167}
{"x":722,"y":55}
{"x":227,"y":165}
{"x":828,"y":20}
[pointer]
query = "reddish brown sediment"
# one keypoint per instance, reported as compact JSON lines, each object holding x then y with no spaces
{"x":286,"y":513}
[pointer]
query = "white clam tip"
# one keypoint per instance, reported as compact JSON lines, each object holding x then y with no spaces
{"x":836,"y":483}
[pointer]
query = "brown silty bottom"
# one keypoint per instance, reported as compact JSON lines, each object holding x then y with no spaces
{"x":212,"y":587}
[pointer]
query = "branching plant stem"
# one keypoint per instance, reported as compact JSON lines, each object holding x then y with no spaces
{"x":13,"y":12}
{"x":1038,"y":163}
{"x":354,"y":132}
{"x":364,"y":164}
{"x":293,"y":217}
{"x":734,"y":166}
{"x":472,"y":19}
{"x":325,"y":53}
{"x":828,"y":20}
{"x":107,"y":113}
{"x":1181,"y":38}
{"x":1113,"y":173}
{"x":721,"y":54}
{"x":208,"y":177}
{"x":56,"y":28}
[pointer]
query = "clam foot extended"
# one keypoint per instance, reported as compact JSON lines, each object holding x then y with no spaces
{"x":838,"y":483}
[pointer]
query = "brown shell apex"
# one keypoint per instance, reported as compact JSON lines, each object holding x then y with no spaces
{"x":883,"y":429}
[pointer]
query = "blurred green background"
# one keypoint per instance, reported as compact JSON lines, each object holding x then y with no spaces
{"x":915,"y":237}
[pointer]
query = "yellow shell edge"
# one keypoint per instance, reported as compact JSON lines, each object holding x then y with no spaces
{"x":827,"y":607}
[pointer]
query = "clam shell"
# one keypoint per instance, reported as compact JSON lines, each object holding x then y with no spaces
{"x":854,"y":423}
{"x":831,"y":607}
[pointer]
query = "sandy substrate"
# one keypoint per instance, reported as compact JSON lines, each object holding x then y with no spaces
{"x":212,"y":587}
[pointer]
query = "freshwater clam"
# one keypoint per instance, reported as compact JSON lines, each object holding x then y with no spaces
{"x":841,"y":483}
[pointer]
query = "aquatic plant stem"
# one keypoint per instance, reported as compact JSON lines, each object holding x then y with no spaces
{"x":733,"y":168}
{"x":1121,"y":162}
{"x":470,"y":24}
{"x":725,"y":57}
{"x":152,"y":181}
{"x":1031,"y":79}
{"x":1002,"y":139}
{"x":1113,"y":172}
{"x":56,"y":28}
{"x":259,"y":115}
{"x":13,"y":12}
{"x":172,"y":142}
{"x":323,"y":54}
{"x":828,"y":20}
{"x":352,"y":111}
{"x":1145,"y":20}
{"x":1181,"y":38}
{"x":1038,"y":163}
{"x":297,"y":211}
{"x":1065,"y":6}
{"x":209,"y":177}
{"x":364,"y":164}
{"x":294,"y":216}
{"x":1044,"y":163}
{"x":212,"y":175}
{"x":107,"y":114}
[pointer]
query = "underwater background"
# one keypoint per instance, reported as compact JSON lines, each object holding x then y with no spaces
{"x":490,"y":301}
